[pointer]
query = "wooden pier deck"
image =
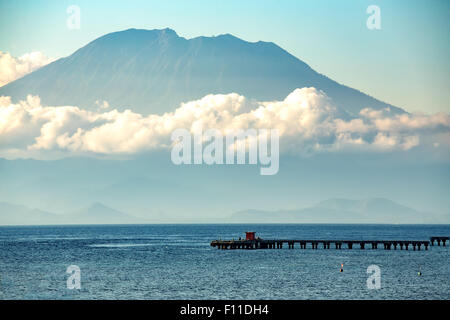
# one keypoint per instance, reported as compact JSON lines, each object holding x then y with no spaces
{"x":257,"y":243}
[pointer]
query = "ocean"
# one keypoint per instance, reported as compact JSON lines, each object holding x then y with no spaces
{"x":177,"y":262}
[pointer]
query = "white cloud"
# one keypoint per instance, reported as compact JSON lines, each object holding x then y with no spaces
{"x":307,"y":122}
{"x":12,"y":68}
{"x":102,"y":104}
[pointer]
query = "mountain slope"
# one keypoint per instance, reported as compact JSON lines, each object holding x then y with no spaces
{"x":98,"y":213}
{"x":153,"y":71}
{"x":12,"y":214}
{"x":373,"y":206}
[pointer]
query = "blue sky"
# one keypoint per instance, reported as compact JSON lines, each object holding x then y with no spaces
{"x":405,"y":63}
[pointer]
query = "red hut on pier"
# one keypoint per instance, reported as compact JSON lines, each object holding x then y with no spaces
{"x":250,"y":235}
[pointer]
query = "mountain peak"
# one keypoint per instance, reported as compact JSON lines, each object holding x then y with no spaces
{"x":164,"y":31}
{"x":228,"y":36}
{"x":131,"y":37}
{"x":97,"y":206}
{"x":154,"y":71}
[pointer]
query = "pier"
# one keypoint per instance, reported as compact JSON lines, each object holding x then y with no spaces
{"x":438,"y":240}
{"x":252,"y":242}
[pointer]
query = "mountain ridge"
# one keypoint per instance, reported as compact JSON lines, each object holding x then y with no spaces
{"x":327,"y":211}
{"x":153,"y":71}
{"x":341,"y":210}
{"x":96,"y":213}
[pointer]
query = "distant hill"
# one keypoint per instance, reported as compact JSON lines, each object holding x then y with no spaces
{"x":153,"y":71}
{"x":97,"y":213}
{"x":376,"y":207}
{"x":153,"y":188}
{"x":376,"y":210}
{"x":11,"y":214}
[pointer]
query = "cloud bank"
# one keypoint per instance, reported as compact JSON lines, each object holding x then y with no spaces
{"x":307,"y":121}
{"x":12,"y":68}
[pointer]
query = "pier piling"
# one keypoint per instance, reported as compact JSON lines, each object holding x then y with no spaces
{"x":438,"y":240}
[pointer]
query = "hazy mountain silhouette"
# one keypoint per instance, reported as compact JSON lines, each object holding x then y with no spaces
{"x":373,"y":210}
{"x":376,"y":210}
{"x":12,"y":214}
{"x":152,"y":71}
{"x":150,"y":186}
{"x":373,"y":206}
{"x":97,"y":213}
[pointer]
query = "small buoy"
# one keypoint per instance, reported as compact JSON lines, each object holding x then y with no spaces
{"x":342,"y":268}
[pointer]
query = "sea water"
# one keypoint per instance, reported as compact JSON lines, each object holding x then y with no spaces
{"x":177,"y":262}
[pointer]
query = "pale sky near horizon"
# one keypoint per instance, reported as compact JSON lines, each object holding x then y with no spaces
{"x":405,"y":63}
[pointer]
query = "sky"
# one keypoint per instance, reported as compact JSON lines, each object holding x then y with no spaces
{"x":405,"y":63}
{"x":403,"y":157}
